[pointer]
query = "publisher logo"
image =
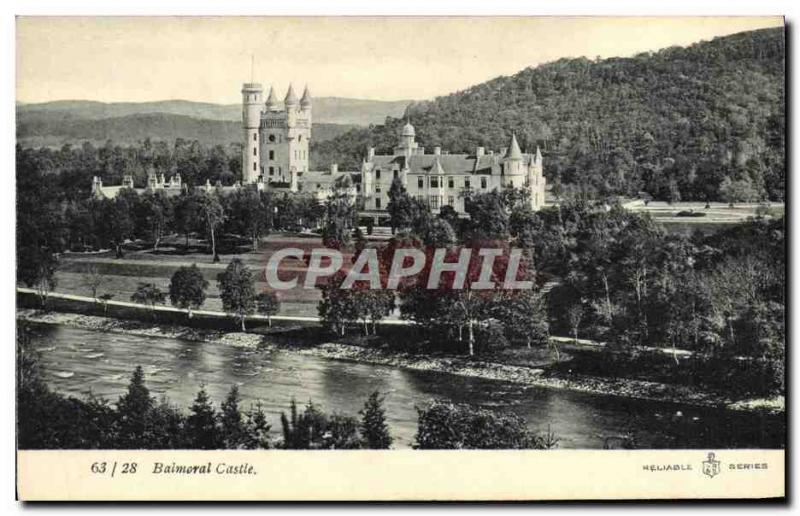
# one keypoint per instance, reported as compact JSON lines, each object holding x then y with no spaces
{"x":711,"y":466}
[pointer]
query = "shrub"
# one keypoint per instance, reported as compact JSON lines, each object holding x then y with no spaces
{"x":452,"y":427}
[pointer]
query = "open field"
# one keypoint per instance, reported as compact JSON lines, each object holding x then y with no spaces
{"x":122,"y":276}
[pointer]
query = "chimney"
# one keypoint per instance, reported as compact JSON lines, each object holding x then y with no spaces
{"x":437,"y":151}
{"x":479,"y":152}
{"x":370,"y":154}
{"x":334,"y":168}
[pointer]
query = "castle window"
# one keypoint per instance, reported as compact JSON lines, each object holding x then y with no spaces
{"x":466,"y":183}
{"x":451,"y":200}
{"x":434,"y":202}
{"x":450,"y":182}
{"x":483,"y":182}
{"x":272,"y":171}
{"x":255,"y":151}
{"x":271,"y":154}
{"x":378,"y":174}
{"x":377,"y":188}
{"x":377,"y":203}
{"x":299,"y":137}
{"x":255,"y":137}
{"x":272,"y":138}
{"x":394,"y":174}
{"x":420,"y":183}
{"x":254,"y":167}
{"x":434,"y":182}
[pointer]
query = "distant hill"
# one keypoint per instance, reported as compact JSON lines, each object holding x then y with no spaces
{"x":326,"y":110}
{"x":676,"y":123}
{"x":43,"y":128}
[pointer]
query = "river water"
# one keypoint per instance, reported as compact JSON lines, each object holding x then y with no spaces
{"x":78,"y":362}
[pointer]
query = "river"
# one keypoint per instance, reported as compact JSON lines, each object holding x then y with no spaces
{"x":78,"y":362}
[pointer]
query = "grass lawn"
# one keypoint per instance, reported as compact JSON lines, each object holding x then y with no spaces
{"x":122,"y":275}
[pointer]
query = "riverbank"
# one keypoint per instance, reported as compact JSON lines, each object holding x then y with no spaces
{"x":534,"y":377}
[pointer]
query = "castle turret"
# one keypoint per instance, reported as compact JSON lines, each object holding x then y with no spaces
{"x":251,"y":121}
{"x":406,"y":145}
{"x":272,"y":101}
{"x":513,"y":162}
{"x":305,"y":102}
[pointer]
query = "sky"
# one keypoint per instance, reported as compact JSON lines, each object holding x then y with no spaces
{"x":138,"y":59}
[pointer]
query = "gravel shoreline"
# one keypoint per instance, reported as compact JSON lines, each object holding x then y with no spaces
{"x":628,"y":388}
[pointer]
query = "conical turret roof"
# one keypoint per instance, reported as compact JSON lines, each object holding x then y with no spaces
{"x":306,"y":100}
{"x":513,"y":151}
{"x":291,"y":98}
{"x":272,"y":100}
{"x":538,"y":158}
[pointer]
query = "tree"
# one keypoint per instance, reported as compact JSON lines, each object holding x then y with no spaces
{"x":737,"y":191}
{"x":202,"y":428}
{"x":148,"y":294}
{"x":234,"y":433}
{"x":336,"y":308}
{"x":114,"y":219}
{"x":134,"y":410}
{"x":212,"y":215}
{"x":340,"y":214}
{"x":93,"y":279}
{"x":401,"y":207}
{"x":574,"y":317}
{"x":524,"y":317}
{"x":237,"y":290}
{"x":39,"y":273}
{"x":248,"y":214}
{"x":156,"y":213}
{"x":314,"y":430}
{"x":374,"y":430}
{"x":187,"y":207}
{"x":459,"y":427}
{"x":439,"y":234}
{"x":187,"y":288}
{"x":257,"y":429}
{"x":268,"y":303}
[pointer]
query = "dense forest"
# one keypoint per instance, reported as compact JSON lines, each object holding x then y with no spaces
{"x":674,"y":124}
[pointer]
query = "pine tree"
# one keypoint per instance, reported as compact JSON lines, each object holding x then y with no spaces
{"x":202,"y":432}
{"x":257,"y":428}
{"x":233,"y":429}
{"x":134,"y":409}
{"x":374,"y":430}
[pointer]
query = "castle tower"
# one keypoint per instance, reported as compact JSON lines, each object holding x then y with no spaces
{"x":285,"y":135}
{"x":406,"y":145}
{"x":513,"y":165}
{"x":251,"y":121}
{"x":537,"y":182}
{"x":298,"y":129}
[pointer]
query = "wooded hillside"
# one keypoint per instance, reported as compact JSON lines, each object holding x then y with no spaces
{"x":675,"y":123}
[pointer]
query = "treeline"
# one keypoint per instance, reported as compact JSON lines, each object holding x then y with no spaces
{"x":674,"y":124}
{"x":614,"y":276}
{"x":48,"y":420}
{"x":70,"y":169}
